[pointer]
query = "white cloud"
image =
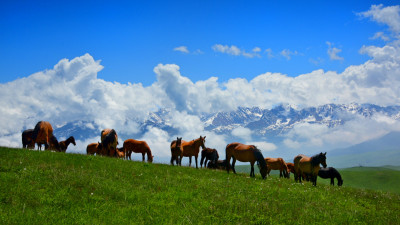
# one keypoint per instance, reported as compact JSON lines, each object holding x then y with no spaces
{"x":389,"y":15}
{"x":234,"y":50}
{"x":288,"y":54}
{"x":242,"y":133}
{"x":182,"y":49}
{"x":380,"y":35}
{"x":333,"y":52}
{"x":264,"y":146}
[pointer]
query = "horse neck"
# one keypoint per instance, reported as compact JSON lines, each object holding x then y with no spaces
{"x":197,"y":144}
{"x":67,"y":142}
{"x":148,"y":153}
{"x":315,"y":161}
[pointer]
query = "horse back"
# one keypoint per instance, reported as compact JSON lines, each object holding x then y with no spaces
{"x":92,"y":148}
{"x":43,"y":132}
{"x":242,"y":152}
{"x":188,"y":148}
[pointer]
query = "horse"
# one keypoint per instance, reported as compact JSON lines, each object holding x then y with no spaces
{"x":309,"y":165}
{"x":27,"y":140}
{"x":219,"y":164}
{"x":332,"y":173}
{"x":192,"y":148}
{"x":109,"y":141}
{"x":54,"y":144}
{"x":208,"y":154}
{"x":245,"y":153}
{"x":136,"y":146}
{"x":93,"y":148}
{"x":290,"y":167}
{"x":119,"y":153}
{"x":176,"y":151}
{"x":64,"y":144}
{"x":42,"y":134}
{"x":277,"y":164}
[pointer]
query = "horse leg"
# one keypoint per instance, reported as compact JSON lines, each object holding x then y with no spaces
{"x":190,"y":161}
{"x":202,"y":160}
{"x":195,"y":157}
{"x":332,"y":181}
{"x":233,"y":164}
{"x":143,"y":156}
{"x":252,"y":170}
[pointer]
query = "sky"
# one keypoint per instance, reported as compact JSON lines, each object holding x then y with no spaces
{"x":226,"y":39}
{"x":111,"y":64}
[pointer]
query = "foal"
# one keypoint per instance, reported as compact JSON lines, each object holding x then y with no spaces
{"x":332,"y":173}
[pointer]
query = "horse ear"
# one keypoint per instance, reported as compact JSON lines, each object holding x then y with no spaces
{"x":325,"y":153}
{"x":204,"y":137}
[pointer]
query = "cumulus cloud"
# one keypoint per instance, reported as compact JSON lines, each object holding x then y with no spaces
{"x":333,"y":52}
{"x":380,"y":35}
{"x":389,"y":15}
{"x":288,"y":54}
{"x":242,"y":133}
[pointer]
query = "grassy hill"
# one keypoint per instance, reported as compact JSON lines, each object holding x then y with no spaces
{"x":57,"y":188}
{"x":374,"y":178}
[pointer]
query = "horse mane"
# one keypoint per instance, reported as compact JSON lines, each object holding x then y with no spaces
{"x":315,"y":160}
{"x":259,"y":157}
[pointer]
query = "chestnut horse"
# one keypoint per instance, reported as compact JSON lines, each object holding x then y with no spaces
{"x":208,"y":154}
{"x":27,"y":140}
{"x":290,"y":167}
{"x":43,"y":134}
{"x":136,"y":146}
{"x":109,"y":141}
{"x":332,"y":173}
{"x":176,"y":151}
{"x":245,"y":153}
{"x":192,"y":148}
{"x":309,"y":166}
{"x":64,"y":144}
{"x":119,"y":153}
{"x":93,"y":148}
{"x":277,"y":164}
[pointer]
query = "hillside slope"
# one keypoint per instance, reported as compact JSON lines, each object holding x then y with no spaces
{"x":56,"y":188}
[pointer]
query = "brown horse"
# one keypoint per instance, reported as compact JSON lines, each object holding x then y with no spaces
{"x":245,"y":153}
{"x":176,"y":151}
{"x":309,"y":166}
{"x":27,"y":140}
{"x":93,"y":148}
{"x":135,"y":146}
{"x":119,"y":153}
{"x":290,"y":167}
{"x":208,"y":154}
{"x":192,"y":148}
{"x":64,"y":144}
{"x":109,"y":141}
{"x":277,"y":164}
{"x":43,"y":134}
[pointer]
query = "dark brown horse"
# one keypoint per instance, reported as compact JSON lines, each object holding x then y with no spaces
{"x":192,"y":148}
{"x":93,"y":148}
{"x":331,"y":173}
{"x":64,"y":144}
{"x":208,"y":154}
{"x":136,"y":146}
{"x":277,"y":164}
{"x":27,"y":140}
{"x":245,"y":153}
{"x":309,"y":166}
{"x":109,"y":142}
{"x":176,"y":151}
{"x":43,"y":134}
{"x":219,"y":164}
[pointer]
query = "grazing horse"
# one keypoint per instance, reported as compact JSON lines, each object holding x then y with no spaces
{"x":64,"y":144}
{"x":290,"y":167}
{"x":42,"y":134}
{"x":245,"y":153}
{"x":136,"y":146}
{"x":176,"y":151}
{"x":109,"y":141}
{"x":93,"y":148}
{"x":309,"y":166}
{"x":219,"y":164}
{"x":208,"y":154}
{"x":119,"y":153}
{"x":27,"y":140}
{"x":332,"y":173}
{"x":192,"y":148}
{"x":277,"y":164}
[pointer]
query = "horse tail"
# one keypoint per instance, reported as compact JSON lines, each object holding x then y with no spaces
{"x":296,"y":161}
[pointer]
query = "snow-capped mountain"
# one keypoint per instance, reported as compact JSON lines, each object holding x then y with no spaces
{"x":262,"y":122}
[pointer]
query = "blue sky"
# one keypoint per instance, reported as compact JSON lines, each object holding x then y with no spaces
{"x":133,"y":37}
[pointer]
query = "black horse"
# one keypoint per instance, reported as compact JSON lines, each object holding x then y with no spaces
{"x":208,"y":154}
{"x":219,"y":164}
{"x":332,"y":173}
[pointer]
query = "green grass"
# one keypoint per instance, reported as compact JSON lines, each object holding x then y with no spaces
{"x":57,"y":188}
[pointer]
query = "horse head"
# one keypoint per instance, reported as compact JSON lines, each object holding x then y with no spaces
{"x":178,"y":142}
{"x":322,"y":157}
{"x":72,"y":140}
{"x":202,"y":141}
